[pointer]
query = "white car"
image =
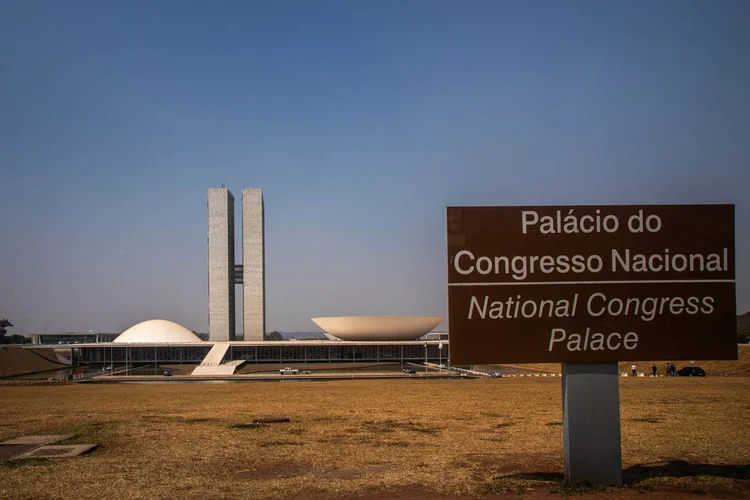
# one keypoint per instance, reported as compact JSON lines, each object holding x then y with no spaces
{"x":288,"y":371}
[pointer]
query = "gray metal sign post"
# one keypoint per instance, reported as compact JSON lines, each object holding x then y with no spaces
{"x":591,"y":423}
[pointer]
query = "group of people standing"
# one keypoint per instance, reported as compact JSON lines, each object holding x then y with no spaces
{"x":671,"y":370}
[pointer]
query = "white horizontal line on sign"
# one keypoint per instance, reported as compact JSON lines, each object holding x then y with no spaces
{"x":624,"y":282}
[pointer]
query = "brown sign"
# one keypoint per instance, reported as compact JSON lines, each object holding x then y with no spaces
{"x":591,"y":284}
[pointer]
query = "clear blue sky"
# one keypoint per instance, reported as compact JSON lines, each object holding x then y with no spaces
{"x":360,"y":120}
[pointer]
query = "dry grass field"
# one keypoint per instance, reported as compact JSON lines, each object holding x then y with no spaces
{"x":370,"y":439}
{"x":738,"y":368}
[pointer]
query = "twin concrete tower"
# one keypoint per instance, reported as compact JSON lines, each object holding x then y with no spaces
{"x":224,"y":274}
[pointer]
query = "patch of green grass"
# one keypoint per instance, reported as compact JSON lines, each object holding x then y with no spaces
{"x":503,"y":424}
{"x":552,"y":424}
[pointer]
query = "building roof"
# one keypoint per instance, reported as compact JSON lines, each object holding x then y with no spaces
{"x":157,"y":331}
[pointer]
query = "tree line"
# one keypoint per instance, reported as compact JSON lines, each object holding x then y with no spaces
{"x":10,"y":339}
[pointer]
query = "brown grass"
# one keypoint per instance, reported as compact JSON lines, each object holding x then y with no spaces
{"x":736,"y":368}
{"x":462,"y":437}
{"x":19,"y":360}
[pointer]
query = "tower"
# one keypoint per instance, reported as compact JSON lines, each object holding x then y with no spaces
{"x":221,"y":318}
{"x":253,"y":265}
{"x":223,"y":274}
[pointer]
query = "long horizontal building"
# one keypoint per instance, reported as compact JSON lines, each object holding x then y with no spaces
{"x":303,"y":351}
{"x":161,"y":341}
{"x":71,"y":337}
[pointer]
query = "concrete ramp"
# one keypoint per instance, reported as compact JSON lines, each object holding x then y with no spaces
{"x":227,"y":368}
{"x":212,"y":363}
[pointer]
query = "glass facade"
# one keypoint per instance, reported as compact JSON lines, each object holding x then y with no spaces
{"x":275,"y":352}
{"x":161,"y":354}
{"x":336,"y":353}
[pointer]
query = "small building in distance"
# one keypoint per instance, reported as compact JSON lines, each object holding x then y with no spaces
{"x":58,"y":338}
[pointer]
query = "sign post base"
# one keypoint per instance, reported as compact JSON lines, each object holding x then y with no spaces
{"x":591,"y":423}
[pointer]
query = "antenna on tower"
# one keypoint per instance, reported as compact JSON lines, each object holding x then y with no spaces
{"x":222,"y":184}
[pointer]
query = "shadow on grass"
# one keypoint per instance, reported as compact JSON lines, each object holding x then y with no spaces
{"x":20,"y":462}
{"x":637,"y":474}
{"x":392,"y":425}
{"x":246,"y":426}
{"x":681,"y":468}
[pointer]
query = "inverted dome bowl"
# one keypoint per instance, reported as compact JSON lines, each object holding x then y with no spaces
{"x":376,"y":328}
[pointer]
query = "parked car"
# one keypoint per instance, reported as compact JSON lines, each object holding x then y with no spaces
{"x":409,"y":370}
{"x":496,"y":374}
{"x":289,"y":371}
{"x":691,"y":371}
{"x":167,"y":372}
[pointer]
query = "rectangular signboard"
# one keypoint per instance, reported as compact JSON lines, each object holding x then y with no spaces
{"x":591,"y":284}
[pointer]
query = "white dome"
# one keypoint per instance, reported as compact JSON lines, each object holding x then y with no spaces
{"x":374,"y":328}
{"x":157,"y":331}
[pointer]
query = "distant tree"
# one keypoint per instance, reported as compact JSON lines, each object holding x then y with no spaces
{"x":4,"y":324}
{"x":202,"y":336}
{"x":15,"y":339}
{"x":10,"y":339}
{"x":273,"y":336}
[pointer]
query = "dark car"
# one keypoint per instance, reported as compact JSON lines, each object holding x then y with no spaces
{"x":409,"y":370}
{"x":691,"y":371}
{"x":167,"y":372}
